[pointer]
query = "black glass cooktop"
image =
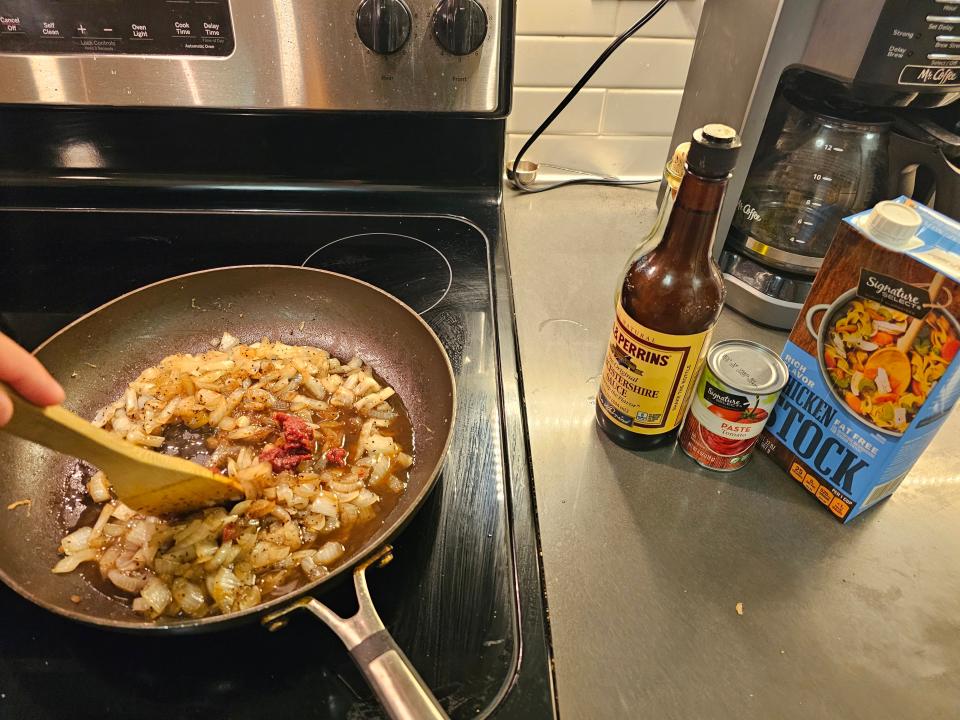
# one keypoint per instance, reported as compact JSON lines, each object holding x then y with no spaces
{"x":451,"y":596}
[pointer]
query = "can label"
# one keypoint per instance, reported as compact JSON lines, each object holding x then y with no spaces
{"x":647,"y":376}
{"x":723,"y":424}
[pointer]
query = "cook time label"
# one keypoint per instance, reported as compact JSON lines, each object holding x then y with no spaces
{"x":647,"y":376}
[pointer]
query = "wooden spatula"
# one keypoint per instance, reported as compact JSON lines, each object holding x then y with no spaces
{"x":146,"y":481}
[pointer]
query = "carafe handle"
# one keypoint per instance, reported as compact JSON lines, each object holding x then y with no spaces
{"x":906,"y":152}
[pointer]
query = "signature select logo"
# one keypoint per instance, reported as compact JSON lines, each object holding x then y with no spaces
{"x":894,"y":292}
{"x":749,"y":211}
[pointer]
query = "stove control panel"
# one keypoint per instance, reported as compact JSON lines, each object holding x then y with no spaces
{"x":116,"y":27}
{"x":438,"y":56}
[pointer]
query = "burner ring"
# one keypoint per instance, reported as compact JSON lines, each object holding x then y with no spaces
{"x":407,"y":267}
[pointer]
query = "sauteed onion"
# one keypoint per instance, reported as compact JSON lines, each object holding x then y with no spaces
{"x":315,"y":443}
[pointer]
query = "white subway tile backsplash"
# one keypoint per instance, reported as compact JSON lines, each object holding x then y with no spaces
{"x":532,"y":105}
{"x":677,"y":19}
{"x":640,"y":112}
{"x":640,"y":63}
{"x":567,"y":17}
{"x":621,"y":123}
{"x":627,"y":157}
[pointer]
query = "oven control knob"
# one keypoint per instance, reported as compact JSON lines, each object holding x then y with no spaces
{"x":383,"y":25}
{"x":460,"y":26}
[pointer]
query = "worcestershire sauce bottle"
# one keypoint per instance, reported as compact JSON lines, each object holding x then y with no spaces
{"x":669,"y":302}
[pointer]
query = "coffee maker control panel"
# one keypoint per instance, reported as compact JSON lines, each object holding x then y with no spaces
{"x":915,"y":47}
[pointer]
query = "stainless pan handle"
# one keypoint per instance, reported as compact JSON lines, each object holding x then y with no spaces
{"x":398,"y":686}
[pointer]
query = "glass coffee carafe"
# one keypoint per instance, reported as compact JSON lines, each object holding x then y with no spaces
{"x":821,"y":163}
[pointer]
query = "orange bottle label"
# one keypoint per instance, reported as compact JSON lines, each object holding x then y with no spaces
{"x":648,"y":375}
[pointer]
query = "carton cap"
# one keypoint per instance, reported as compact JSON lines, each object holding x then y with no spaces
{"x":893,"y":224}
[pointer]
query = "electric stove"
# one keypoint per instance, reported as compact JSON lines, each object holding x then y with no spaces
{"x":453,"y":597}
{"x":307,"y":134}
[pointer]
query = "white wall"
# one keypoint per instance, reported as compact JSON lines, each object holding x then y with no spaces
{"x":622,"y":121}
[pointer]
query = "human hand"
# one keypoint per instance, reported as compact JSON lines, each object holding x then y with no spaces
{"x":24,"y":373}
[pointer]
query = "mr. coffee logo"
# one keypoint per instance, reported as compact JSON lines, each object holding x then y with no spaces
{"x":893,"y":293}
{"x":929,"y":75}
{"x":748,"y":210}
{"x":721,"y":398}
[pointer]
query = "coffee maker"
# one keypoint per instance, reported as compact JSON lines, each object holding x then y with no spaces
{"x":842,"y":103}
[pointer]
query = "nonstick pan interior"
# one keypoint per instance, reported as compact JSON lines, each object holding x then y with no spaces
{"x":96,"y":356}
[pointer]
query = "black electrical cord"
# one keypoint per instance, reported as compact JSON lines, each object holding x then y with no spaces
{"x":512,"y":174}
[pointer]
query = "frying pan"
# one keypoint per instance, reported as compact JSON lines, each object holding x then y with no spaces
{"x":98,"y":355}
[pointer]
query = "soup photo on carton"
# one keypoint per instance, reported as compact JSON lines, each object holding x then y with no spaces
{"x":872,"y":376}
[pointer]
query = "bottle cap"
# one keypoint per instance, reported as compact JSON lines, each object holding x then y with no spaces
{"x":892,"y":224}
{"x":713,"y":151}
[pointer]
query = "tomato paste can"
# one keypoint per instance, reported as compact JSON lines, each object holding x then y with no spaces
{"x":733,"y":398}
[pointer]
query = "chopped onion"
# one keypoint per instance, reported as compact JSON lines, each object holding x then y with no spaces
{"x":311,"y":569}
{"x":329,"y":553}
{"x":70,"y":562}
{"x":206,"y":549}
{"x":223,"y":588}
{"x":98,"y":487}
{"x":380,"y":469}
{"x":315,"y":523}
{"x":284,"y":494}
{"x":346,"y":487}
{"x":157,"y":594}
{"x":108,"y":558}
{"x":122,"y":512}
{"x":102,"y":520}
{"x":128,"y":583}
{"x":324,"y":505}
{"x":267,"y":553}
{"x":188,"y":595}
{"x":348,"y":513}
{"x":248,"y":597}
{"x":140,"y":533}
{"x":380,"y":444}
{"x":228,"y":342}
{"x":366,"y":498}
{"x":77,"y":541}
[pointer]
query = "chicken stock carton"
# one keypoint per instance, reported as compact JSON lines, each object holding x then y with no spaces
{"x":872,"y":357}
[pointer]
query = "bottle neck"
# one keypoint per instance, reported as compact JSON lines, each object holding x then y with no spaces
{"x":691,"y":229}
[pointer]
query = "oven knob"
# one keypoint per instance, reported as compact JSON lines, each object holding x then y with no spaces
{"x":460,"y":25}
{"x":383,"y":25}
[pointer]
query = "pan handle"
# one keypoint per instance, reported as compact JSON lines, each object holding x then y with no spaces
{"x":398,"y":686}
